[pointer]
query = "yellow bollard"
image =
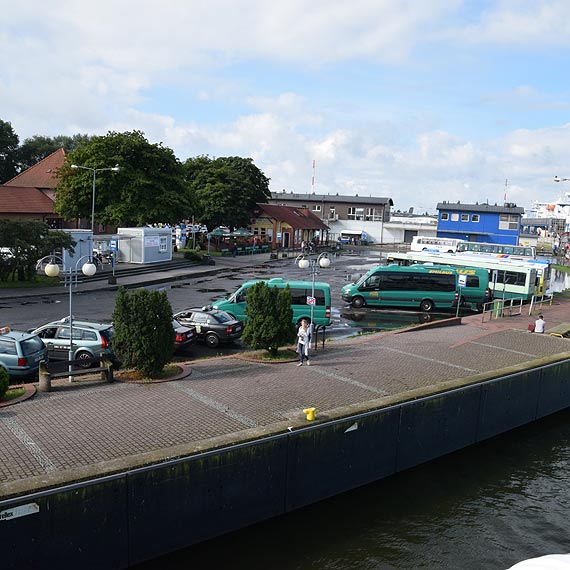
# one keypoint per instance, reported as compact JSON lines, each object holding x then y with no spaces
{"x":310,"y":413}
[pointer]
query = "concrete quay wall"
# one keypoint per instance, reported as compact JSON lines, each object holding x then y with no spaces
{"x":123,"y":519}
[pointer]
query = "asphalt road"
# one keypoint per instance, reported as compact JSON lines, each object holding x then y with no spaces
{"x":27,"y":313}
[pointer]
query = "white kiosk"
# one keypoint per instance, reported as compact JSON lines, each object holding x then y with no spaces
{"x":146,"y":245}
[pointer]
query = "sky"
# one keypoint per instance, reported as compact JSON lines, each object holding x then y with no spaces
{"x":422,"y":101}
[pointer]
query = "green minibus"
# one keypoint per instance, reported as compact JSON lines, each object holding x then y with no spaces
{"x":300,"y":291}
{"x":422,"y":286}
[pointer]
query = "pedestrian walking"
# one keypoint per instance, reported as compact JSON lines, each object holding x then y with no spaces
{"x":539,"y":324}
{"x":303,"y":342}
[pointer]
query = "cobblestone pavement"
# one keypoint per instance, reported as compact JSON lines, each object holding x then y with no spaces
{"x":91,"y":428}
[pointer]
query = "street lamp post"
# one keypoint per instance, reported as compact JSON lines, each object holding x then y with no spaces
{"x":115,"y":168}
{"x":321,"y":261}
{"x":51,"y":269}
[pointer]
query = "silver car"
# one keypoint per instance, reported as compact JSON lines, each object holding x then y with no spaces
{"x":20,"y":353}
{"x":91,"y":340}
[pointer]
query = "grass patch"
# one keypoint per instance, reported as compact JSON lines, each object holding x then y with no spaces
{"x":40,"y":281}
{"x":561,"y":268}
{"x":284,"y":354}
{"x":13,"y":393}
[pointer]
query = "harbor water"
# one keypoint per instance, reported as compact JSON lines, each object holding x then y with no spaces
{"x":485,"y":507}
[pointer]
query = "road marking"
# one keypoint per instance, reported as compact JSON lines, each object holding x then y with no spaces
{"x":413,"y":355}
{"x":350,"y":381}
{"x":218,"y":406}
{"x":30,"y":445}
{"x":505,"y":349}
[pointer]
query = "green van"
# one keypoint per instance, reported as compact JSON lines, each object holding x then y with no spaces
{"x":301,"y":291}
{"x":423,"y":286}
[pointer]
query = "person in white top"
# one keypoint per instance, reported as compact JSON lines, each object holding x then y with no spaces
{"x":539,"y":324}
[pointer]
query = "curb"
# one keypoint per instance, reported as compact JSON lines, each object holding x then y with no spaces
{"x":184,"y":373}
{"x":29,"y":392}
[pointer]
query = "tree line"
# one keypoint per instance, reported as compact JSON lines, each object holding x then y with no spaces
{"x":152,"y":185}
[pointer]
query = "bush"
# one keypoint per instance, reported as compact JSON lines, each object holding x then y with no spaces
{"x":270,"y":318}
{"x":4,"y":382}
{"x":144,"y":336}
{"x":193,"y":256}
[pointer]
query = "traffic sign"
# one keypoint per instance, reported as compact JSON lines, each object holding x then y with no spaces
{"x":311,"y":301}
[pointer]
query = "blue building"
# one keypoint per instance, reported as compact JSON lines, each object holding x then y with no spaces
{"x":480,"y":222}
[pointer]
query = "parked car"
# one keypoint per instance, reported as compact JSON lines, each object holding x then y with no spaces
{"x":21,"y":353}
{"x":212,"y":325}
{"x":184,"y":336}
{"x":91,"y":340}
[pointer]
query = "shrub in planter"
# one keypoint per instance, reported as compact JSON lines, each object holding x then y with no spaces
{"x":193,"y":256}
{"x":4,"y":382}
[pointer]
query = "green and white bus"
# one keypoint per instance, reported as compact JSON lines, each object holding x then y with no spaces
{"x":508,"y":279}
{"x":425,"y":287}
{"x":300,"y":291}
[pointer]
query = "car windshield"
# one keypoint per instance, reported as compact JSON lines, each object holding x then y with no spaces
{"x":32,"y":345}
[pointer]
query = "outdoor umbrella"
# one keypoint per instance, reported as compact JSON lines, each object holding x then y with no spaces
{"x":241,"y":232}
{"x":219,"y":232}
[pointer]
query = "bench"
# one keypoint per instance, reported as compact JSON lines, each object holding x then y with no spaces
{"x":249,"y":250}
{"x":226,"y":252}
{"x":240,"y":251}
{"x":265,"y":249}
{"x":45,"y":377}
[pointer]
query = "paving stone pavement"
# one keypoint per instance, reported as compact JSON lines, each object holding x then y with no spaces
{"x":97,"y":428}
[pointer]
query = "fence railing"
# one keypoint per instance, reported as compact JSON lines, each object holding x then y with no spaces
{"x":539,"y":301}
{"x":499,"y":308}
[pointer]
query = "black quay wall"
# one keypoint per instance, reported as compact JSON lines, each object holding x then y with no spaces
{"x":124,"y":519}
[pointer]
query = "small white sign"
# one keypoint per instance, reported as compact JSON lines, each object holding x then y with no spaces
{"x":462,"y":281}
{"x":311,"y":301}
{"x":21,"y":511}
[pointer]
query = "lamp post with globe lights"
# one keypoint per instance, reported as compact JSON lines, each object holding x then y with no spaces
{"x":50,"y":266}
{"x":304,"y":262}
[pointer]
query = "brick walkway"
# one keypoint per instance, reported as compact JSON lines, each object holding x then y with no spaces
{"x":91,"y":428}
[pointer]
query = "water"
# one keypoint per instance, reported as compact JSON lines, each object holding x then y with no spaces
{"x":486,"y":507}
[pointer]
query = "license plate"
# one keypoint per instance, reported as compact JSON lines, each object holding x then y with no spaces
{"x":237,"y":329}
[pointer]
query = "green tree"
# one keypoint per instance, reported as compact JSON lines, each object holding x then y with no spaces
{"x":225,"y":190}
{"x":270,"y":318}
{"x":28,"y":241}
{"x":148,"y":189}
{"x":4,"y":382}
{"x":36,"y":148}
{"x":8,"y":152}
{"x":144,"y":336}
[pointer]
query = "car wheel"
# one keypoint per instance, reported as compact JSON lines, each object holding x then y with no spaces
{"x":84,"y":359}
{"x":211,"y":340}
{"x":358,"y":302}
{"x":427,"y":305}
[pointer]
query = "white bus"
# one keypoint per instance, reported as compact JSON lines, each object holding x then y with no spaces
{"x":508,"y":279}
{"x":437,"y":244}
{"x":498,"y":249}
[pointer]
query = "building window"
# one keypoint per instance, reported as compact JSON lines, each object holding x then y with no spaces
{"x":508,"y":222}
{"x":316,"y":207}
{"x":454,"y":217}
{"x":332,"y":214}
{"x":475,"y":218}
{"x":372,"y":215}
{"x":444,"y":216}
{"x":464,"y":217}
